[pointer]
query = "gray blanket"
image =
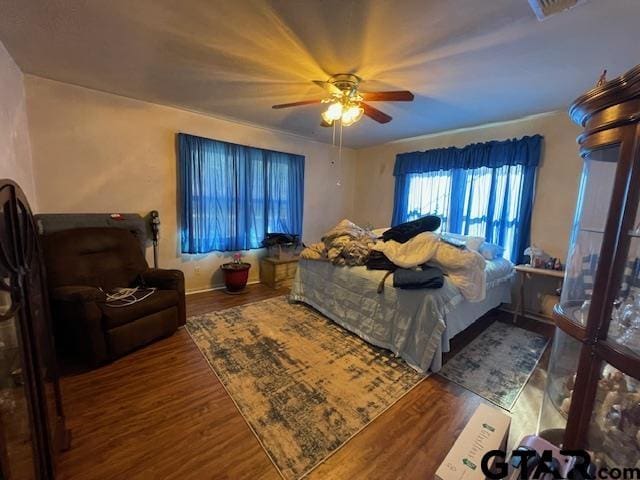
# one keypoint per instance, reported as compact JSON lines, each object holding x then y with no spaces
{"x":407,"y":322}
{"x":413,"y":324}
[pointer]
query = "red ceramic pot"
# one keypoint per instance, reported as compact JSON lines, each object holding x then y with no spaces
{"x":235,"y":275}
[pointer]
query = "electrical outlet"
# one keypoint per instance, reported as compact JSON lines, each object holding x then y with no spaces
{"x":196,"y":269}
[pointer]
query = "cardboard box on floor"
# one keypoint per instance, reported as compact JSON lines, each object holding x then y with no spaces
{"x":488,"y":429}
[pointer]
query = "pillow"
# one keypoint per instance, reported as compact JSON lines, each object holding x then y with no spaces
{"x":406,"y":231}
{"x":491,"y":251}
{"x":472,"y":243}
{"x":456,"y":242}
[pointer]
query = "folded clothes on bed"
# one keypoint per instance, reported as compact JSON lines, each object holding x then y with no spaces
{"x":379,"y":261}
{"x":406,"y":231}
{"x":427,"y":277}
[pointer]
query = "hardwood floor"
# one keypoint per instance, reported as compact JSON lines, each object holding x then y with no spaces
{"x":161,"y":413}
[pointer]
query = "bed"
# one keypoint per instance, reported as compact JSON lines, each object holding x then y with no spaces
{"x":416,"y":325}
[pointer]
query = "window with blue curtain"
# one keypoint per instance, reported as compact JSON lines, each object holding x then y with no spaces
{"x":483,"y":189}
{"x":233,"y":195}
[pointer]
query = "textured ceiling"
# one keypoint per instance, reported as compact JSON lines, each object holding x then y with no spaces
{"x":467,"y":61}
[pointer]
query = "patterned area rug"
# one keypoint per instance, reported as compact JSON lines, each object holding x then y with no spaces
{"x":498,"y":363}
{"x":303,"y":384}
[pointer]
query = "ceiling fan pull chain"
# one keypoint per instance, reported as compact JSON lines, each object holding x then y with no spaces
{"x":340,"y":146}
{"x":333,"y":140}
{"x":333,"y":144}
{"x":339,"y":183}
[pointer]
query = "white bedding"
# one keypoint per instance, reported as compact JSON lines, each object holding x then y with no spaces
{"x":497,"y":270}
{"x":465,"y":268}
{"x":414,"y":324}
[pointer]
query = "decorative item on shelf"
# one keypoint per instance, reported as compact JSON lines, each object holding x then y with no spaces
{"x":236,"y":274}
{"x":603,"y":78}
{"x":553,"y":264}
{"x":537,"y":257}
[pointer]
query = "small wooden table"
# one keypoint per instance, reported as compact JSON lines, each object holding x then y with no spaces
{"x":278,"y":272}
{"x":527,"y":272}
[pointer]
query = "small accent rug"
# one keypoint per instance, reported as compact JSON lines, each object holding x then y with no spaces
{"x":498,"y":363}
{"x":304,"y":385}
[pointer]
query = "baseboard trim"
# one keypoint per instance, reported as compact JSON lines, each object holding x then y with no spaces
{"x":219,"y":287}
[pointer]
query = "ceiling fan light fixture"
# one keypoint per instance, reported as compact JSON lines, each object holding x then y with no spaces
{"x":352,"y":114}
{"x":346,"y":104}
{"x":334,"y":112}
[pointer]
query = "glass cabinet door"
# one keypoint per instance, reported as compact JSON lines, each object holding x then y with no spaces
{"x":17,"y":456}
{"x":561,"y":377}
{"x":613,"y":434}
{"x":624,"y":328}
{"x":594,"y":198}
{"x":16,"y":440}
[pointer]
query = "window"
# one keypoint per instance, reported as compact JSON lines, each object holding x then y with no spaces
{"x":482,"y":189}
{"x":233,"y":195}
{"x":482,"y":202}
{"x":429,"y":194}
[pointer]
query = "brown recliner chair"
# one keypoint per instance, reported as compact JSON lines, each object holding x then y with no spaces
{"x":84,"y":263}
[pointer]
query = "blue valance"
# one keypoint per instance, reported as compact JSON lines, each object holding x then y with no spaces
{"x":494,"y":154}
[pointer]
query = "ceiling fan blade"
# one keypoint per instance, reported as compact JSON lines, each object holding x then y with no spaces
{"x":326,"y":124}
{"x":329,"y":87}
{"x":393,"y":96}
{"x":375,"y":114}
{"x":297,"y":104}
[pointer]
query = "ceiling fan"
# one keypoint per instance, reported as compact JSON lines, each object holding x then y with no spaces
{"x":346,"y":104}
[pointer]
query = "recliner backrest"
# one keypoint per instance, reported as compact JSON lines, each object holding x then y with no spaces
{"x":97,"y":257}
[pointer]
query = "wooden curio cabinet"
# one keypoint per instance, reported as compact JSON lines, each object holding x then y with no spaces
{"x":32,"y":428}
{"x":592,"y":396}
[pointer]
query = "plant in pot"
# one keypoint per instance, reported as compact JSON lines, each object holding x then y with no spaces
{"x":236,"y":274}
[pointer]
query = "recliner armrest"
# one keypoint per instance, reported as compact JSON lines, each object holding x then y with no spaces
{"x":164,"y":279}
{"x":78,"y":293}
{"x":168,"y":280}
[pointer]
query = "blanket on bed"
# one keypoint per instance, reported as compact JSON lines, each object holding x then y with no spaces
{"x":410,"y":323}
{"x":414,"y":324}
{"x":345,"y":244}
{"x":350,"y":245}
{"x":465,"y":268}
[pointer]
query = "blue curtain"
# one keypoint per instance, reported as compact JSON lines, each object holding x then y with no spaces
{"x":233,"y":195}
{"x":483,"y":189}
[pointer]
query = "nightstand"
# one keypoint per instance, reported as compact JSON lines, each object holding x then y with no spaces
{"x":278,"y":272}
{"x":527,"y":272}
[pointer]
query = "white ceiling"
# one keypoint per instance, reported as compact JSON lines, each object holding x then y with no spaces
{"x":467,"y":61}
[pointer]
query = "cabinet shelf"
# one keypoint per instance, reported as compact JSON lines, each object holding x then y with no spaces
{"x":567,"y":319}
{"x":620,"y":356}
{"x":631,"y":233}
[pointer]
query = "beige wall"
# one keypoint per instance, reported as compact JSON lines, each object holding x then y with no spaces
{"x":15,"y":151}
{"x":97,"y":152}
{"x":556,"y":186}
